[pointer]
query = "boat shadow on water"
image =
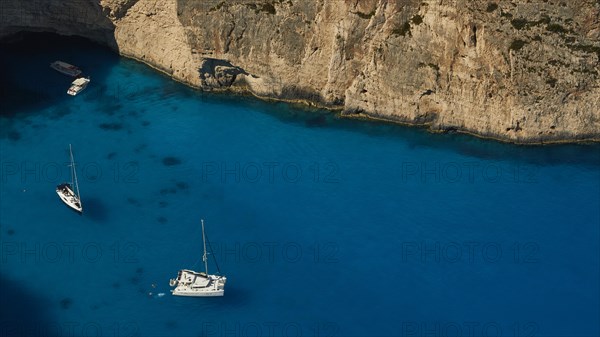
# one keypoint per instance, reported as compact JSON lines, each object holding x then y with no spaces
{"x":236,"y":296}
{"x":95,"y":209}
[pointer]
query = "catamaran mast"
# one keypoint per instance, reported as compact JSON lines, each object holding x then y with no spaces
{"x":210,"y":251}
{"x":74,"y":175}
{"x":204,"y":256}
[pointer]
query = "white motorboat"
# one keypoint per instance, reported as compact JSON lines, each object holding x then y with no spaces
{"x":69,"y":192}
{"x":65,"y":68}
{"x":78,"y":85}
{"x":199,"y":284}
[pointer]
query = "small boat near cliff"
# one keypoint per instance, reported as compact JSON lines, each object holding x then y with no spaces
{"x":65,"y":68}
{"x":69,"y":192}
{"x":199,"y":284}
{"x":78,"y":85}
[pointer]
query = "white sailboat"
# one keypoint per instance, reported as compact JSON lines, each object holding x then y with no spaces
{"x":199,"y":284}
{"x":66,"y":192}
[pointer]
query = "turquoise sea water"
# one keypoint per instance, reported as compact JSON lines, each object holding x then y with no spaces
{"x":323,"y":226}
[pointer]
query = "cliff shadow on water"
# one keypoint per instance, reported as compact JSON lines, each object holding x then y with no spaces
{"x":586,"y":154}
{"x":414,"y":137}
{"x":27,"y":82}
{"x":23,"y":313}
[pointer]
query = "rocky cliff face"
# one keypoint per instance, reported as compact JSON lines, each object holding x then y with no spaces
{"x":523,"y":71}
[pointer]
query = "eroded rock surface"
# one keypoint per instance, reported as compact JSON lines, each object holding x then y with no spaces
{"x":523,"y":71}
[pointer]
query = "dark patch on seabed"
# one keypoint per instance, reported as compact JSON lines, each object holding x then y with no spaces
{"x":168,"y":190}
{"x":13,"y":135}
{"x":135,"y":279}
{"x":137,"y":276}
{"x":60,"y":112}
{"x":182,"y":185}
{"x":171,"y":324}
{"x":170,"y":89}
{"x":66,"y":303}
{"x":109,"y":108}
{"x":133,"y":201}
{"x":9,"y":129}
{"x":39,"y":126}
{"x":171,"y":161}
{"x":320,"y":120}
{"x":162,"y":220}
{"x":140,"y":148}
{"x":137,"y":93}
{"x":213,"y":192}
{"x":111,"y":126}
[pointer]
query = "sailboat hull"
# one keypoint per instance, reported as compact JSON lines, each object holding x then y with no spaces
{"x":66,"y":194}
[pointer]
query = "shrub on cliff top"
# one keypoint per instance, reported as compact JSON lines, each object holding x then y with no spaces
{"x":417,"y":19}
{"x":556,"y":28}
{"x":403,"y":30}
{"x":491,"y":7}
{"x":586,"y":48}
{"x":518,"y":23}
{"x":551,"y":81}
{"x":216,"y":8}
{"x":517,"y":45}
{"x":269,"y":8}
{"x":365,"y":16}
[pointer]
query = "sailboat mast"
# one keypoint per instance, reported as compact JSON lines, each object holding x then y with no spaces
{"x":204,"y":256}
{"x":72,"y":162}
{"x":74,"y":174}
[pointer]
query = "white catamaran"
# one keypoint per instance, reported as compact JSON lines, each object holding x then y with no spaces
{"x":66,"y":192}
{"x":195,"y":284}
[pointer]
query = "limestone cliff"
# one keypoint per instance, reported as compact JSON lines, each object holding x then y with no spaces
{"x":520,"y":70}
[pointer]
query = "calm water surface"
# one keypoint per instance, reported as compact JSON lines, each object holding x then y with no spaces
{"x":324,"y":227}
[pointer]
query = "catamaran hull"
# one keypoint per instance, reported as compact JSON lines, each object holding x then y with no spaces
{"x":203,"y":293}
{"x":193,"y":284}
